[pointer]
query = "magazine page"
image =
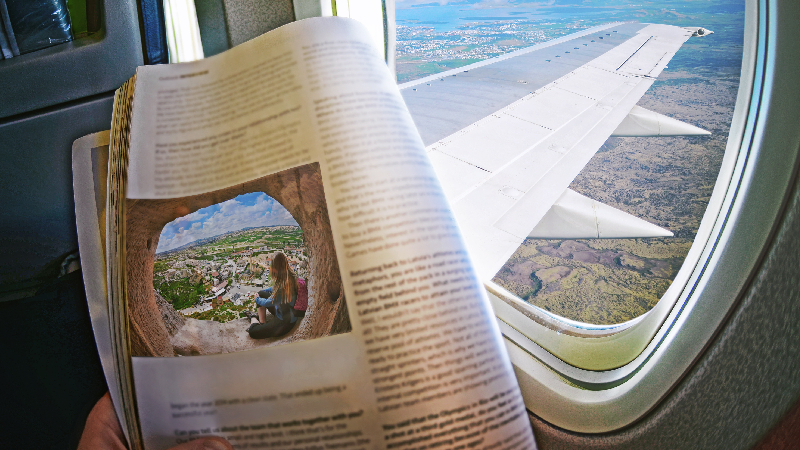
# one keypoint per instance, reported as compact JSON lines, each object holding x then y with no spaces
{"x":89,"y":176}
{"x":116,"y":264}
{"x":294,"y":154}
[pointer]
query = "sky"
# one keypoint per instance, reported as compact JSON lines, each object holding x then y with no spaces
{"x":255,"y":209}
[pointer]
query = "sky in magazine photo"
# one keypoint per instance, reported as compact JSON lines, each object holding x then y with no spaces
{"x":665,"y":180}
{"x":252,"y":210}
{"x":214,"y":256}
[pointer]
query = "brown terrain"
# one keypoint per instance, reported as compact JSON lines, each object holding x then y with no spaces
{"x":667,"y":181}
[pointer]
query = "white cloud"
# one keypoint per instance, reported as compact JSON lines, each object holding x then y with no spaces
{"x":232,"y":215}
{"x":410,"y":3}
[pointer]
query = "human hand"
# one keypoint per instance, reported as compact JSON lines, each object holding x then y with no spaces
{"x":102,"y":431}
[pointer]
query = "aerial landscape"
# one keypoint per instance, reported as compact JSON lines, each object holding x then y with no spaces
{"x":665,"y":180}
{"x":218,"y":277}
{"x":195,"y":266}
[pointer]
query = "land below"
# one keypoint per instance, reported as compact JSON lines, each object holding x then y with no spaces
{"x":217,"y":278}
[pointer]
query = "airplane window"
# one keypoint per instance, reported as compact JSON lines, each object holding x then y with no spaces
{"x":183,"y":31}
{"x":663,"y":184}
{"x":598,"y":215}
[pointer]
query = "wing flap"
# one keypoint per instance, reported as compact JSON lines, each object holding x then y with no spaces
{"x":569,"y":148}
{"x":580,"y":141}
{"x":493,"y":142}
{"x":550,"y":108}
{"x":591,"y":82}
{"x":455,"y":175}
{"x":499,"y":213}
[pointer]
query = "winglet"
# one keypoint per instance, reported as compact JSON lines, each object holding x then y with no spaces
{"x":643,"y":122}
{"x":575,"y":216}
{"x":699,"y":31}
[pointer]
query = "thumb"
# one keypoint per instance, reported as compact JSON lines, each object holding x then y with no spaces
{"x":207,"y":443}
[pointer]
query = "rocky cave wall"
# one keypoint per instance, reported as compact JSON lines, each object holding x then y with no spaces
{"x":300,"y":191}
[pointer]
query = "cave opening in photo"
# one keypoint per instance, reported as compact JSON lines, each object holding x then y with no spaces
{"x":196,"y":265}
{"x":210,"y":264}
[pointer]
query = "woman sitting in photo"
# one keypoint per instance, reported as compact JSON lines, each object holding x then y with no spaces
{"x":278,"y":299}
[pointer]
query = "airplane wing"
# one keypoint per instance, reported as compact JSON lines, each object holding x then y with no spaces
{"x":508,"y":135}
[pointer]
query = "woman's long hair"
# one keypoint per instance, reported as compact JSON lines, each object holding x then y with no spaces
{"x":284,"y":279}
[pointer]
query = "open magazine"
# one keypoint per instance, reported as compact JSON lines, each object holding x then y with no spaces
{"x":295,"y":146}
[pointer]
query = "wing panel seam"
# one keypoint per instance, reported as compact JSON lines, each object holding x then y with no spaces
{"x":634,"y":53}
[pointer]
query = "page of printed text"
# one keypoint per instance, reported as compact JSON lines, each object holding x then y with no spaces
{"x":420,"y":363}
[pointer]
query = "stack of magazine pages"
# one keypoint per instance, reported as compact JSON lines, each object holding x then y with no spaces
{"x":296,"y":146}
